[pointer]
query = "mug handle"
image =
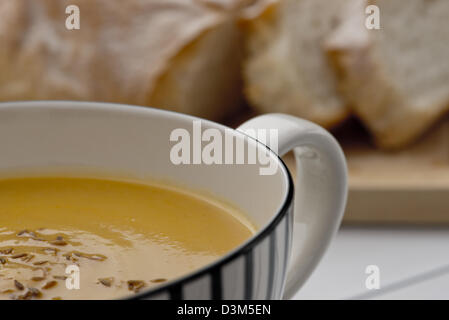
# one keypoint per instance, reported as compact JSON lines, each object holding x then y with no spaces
{"x":321,"y":190}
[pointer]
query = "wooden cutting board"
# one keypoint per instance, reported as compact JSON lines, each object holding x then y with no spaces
{"x":407,"y":186}
{"x":411,"y":185}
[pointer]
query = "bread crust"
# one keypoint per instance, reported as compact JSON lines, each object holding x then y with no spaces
{"x":277,"y":80}
{"x":204,"y":77}
{"x":124,"y":52}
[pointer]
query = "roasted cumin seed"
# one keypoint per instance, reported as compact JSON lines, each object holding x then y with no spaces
{"x":27,"y":233}
{"x":96,"y":257}
{"x":7,"y":251}
{"x":69,"y":257}
{"x":28,"y":258}
{"x":60,"y":277}
{"x":35,"y":292}
{"x":31,"y":293}
{"x":37,"y":279}
{"x":18,"y":285}
{"x":19,"y":255}
{"x":158,"y":280}
{"x":7,"y":291}
{"x":49,"y":285}
{"x":135,"y":285}
{"x":26,"y":296}
{"x":107,"y":282}
{"x":39,"y":263}
{"x":58,"y":242}
{"x":2,"y":260}
{"x":51,"y":250}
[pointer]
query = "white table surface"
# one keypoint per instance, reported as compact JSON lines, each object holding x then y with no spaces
{"x":413,"y":264}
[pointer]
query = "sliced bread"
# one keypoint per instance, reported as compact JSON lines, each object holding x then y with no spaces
{"x":286,"y":69}
{"x":395,"y":78}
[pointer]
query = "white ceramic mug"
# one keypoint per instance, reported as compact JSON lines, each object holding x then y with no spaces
{"x":276,"y":261}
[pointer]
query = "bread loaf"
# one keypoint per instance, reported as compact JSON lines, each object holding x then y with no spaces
{"x":182,"y":55}
{"x":396,"y":78}
{"x":286,"y":69}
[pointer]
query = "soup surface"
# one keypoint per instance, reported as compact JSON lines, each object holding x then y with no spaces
{"x":114,"y":237}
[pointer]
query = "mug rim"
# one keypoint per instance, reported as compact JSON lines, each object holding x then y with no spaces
{"x":244,"y":247}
